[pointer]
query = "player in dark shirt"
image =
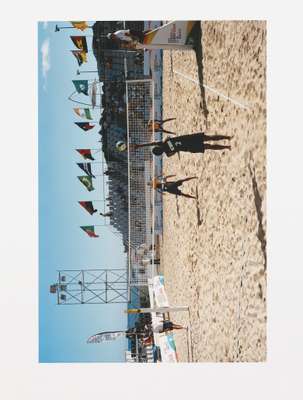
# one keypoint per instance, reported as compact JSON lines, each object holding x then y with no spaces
{"x":193,"y":143}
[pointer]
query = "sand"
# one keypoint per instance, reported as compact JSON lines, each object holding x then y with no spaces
{"x":214,"y":248}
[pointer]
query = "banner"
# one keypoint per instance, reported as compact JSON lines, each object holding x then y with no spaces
{"x":80,"y":56}
{"x":86,"y":167}
{"x":86,"y":154}
{"x":105,"y":336}
{"x":168,"y":348}
{"x":82,"y":25}
{"x":81,"y":86}
{"x":80,"y":42}
{"x":88,"y":206}
{"x":83,"y":113}
{"x":159,"y":291}
{"x":86,"y":126}
{"x":87,"y":182}
{"x":174,"y":35}
{"x":90,"y":230}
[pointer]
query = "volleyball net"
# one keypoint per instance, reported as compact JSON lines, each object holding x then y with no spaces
{"x":141,"y":170}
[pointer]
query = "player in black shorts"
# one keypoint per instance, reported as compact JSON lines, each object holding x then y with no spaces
{"x":193,"y":143}
{"x":167,"y":325}
{"x":171,"y":187}
{"x":157,"y":125}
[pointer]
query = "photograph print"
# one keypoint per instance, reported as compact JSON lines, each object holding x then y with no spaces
{"x":152,"y":191}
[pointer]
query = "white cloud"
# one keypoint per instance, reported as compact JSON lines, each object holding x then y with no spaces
{"x":45,"y":50}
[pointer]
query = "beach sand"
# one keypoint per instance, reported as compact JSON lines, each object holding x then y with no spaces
{"x":213,"y":253}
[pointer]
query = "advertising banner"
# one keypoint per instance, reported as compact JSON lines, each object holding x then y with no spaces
{"x":167,"y":346}
{"x":159,"y":292}
{"x":174,"y":35}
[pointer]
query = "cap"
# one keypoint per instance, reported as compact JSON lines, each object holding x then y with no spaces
{"x":108,"y":35}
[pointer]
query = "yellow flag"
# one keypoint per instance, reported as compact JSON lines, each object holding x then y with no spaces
{"x":82,"y":25}
{"x":83,"y":55}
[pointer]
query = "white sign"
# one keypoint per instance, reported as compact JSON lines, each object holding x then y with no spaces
{"x":175,"y":34}
{"x":168,"y":348}
{"x":159,"y":291}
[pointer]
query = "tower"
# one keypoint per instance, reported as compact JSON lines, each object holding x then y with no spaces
{"x":91,"y":286}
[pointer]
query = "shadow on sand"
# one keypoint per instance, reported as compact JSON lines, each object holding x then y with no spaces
{"x":177,"y":207}
{"x":197,"y":34}
{"x":199,"y":219}
{"x":261,"y":234}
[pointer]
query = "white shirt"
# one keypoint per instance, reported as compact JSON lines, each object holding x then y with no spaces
{"x":121,"y":35}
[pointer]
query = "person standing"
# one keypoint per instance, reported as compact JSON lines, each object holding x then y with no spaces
{"x":127,"y":35}
{"x":192,"y":143}
{"x":157,"y":125}
{"x":167,"y":325}
{"x":172,"y":186}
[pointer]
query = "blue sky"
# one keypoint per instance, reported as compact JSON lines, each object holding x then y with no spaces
{"x":62,"y":244}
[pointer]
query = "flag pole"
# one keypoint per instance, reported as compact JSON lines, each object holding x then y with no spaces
{"x":86,"y":72}
{"x":91,"y":121}
{"x":101,"y":225}
{"x":93,"y":200}
{"x":96,"y":175}
{"x":58,"y":28}
{"x":91,"y":149}
{"x":87,"y":106}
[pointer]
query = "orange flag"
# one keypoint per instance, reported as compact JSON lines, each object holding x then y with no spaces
{"x":82,"y":25}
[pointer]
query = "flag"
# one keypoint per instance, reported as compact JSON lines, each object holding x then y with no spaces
{"x":83,"y":112}
{"x":81,"y":86}
{"x":86,"y":167}
{"x":82,"y":25}
{"x":88,"y":205}
{"x":80,"y":56}
{"x":87,"y":182}
{"x":86,"y":126}
{"x":105,"y":336}
{"x":86,"y":154}
{"x":80,"y":42}
{"x":90,"y":230}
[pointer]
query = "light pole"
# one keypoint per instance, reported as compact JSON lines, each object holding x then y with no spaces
{"x":81,"y":72}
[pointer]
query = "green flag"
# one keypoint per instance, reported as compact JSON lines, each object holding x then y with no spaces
{"x":87,"y":182}
{"x":90,"y":230}
{"x":81,"y":86}
{"x":83,"y":113}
